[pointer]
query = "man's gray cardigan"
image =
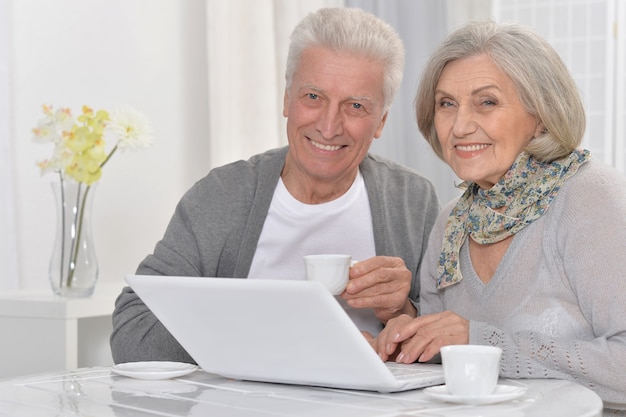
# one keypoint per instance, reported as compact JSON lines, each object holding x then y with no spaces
{"x":216,"y":226}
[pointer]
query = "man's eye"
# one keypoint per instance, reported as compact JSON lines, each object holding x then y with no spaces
{"x":357,"y":106}
{"x":313,"y":96}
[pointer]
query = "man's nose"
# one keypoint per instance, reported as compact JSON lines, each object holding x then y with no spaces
{"x":330,"y":123}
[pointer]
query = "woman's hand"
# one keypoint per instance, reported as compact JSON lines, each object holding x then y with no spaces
{"x":409,"y":339}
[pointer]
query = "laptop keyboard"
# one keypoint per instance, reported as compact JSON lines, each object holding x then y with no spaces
{"x":409,"y":371}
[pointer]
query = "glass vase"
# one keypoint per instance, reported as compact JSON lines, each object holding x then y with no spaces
{"x":74,"y":264}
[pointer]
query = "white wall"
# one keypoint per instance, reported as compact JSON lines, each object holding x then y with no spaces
{"x":8,"y":252}
{"x":105,"y":53}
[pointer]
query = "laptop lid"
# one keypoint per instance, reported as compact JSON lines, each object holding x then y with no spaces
{"x":270,"y":330}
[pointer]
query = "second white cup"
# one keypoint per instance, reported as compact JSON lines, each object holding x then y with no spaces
{"x":332,"y":270}
{"x":471,"y":370}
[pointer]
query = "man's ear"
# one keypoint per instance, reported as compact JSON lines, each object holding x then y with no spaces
{"x":285,"y":106}
{"x":379,"y":129}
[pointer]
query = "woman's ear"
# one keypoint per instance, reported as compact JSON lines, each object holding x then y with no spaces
{"x":540,"y":129}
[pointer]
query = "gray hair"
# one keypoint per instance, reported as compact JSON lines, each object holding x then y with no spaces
{"x":352,"y":31}
{"x":543,"y":83}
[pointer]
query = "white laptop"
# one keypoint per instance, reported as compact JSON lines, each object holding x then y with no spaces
{"x":280,"y":331}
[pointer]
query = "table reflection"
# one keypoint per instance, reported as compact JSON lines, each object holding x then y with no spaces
{"x":98,"y":392}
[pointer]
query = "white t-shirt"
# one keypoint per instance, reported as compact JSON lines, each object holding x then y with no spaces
{"x":293,"y":229}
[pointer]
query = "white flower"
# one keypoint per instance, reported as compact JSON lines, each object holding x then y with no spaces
{"x":129,"y":128}
{"x":50,"y":128}
{"x":60,"y":158}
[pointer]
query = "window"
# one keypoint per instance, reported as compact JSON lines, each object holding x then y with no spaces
{"x":589,"y":36}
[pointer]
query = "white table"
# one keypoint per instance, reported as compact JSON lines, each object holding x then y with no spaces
{"x":98,"y":392}
{"x":42,"y":332}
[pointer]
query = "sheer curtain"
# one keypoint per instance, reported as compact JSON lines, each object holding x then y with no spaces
{"x":8,"y":241}
{"x":237,"y":67}
{"x":590,"y":38}
{"x":422,"y":24}
{"x":247,"y":44}
{"x":246,"y":79}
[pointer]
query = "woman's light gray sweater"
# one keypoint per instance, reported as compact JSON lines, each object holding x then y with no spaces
{"x":557,"y":302}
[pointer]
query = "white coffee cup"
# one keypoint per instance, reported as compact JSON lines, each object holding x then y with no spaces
{"x":471,"y":370}
{"x":332,"y":270}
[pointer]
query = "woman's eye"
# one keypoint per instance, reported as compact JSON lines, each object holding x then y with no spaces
{"x":489,"y":102}
{"x":445,"y":103}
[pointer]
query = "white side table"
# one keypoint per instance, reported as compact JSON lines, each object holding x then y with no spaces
{"x":42,"y":332}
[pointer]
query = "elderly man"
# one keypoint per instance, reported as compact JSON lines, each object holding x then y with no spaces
{"x":324,"y":193}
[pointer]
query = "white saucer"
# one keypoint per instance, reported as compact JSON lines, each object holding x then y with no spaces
{"x":153,"y":370}
{"x":501,"y":393}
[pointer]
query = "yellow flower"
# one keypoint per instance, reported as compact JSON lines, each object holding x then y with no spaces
{"x":80,"y":146}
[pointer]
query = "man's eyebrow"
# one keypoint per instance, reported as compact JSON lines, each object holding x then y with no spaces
{"x":351,"y":98}
{"x":362,"y":98}
{"x":311,"y":87}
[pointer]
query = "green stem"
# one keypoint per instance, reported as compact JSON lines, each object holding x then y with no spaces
{"x":79,"y":226}
{"x":109,"y":156}
{"x":79,"y":230}
{"x":62,"y":196}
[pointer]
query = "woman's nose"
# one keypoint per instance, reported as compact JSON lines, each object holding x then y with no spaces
{"x":464,"y":122}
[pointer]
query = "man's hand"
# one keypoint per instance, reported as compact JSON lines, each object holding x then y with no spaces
{"x":383,"y":284}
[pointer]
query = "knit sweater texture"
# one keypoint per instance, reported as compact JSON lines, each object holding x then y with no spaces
{"x":556,"y":304}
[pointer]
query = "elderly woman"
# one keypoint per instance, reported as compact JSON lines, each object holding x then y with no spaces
{"x":532,"y":256}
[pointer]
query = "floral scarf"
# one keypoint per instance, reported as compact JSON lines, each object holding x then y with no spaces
{"x":525,"y":191}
